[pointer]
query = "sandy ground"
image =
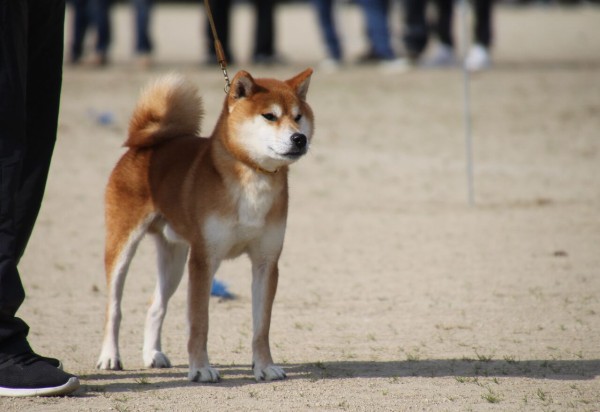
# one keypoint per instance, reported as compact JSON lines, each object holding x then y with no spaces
{"x":395,"y":294}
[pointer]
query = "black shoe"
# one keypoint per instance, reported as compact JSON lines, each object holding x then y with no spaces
{"x":52,"y":361}
{"x":31,"y":375}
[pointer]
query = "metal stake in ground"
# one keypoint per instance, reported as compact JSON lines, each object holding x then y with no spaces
{"x":467,"y":107}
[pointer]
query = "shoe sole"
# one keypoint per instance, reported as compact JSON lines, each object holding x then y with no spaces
{"x":70,"y":386}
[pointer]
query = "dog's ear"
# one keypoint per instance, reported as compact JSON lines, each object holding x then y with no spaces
{"x":242,"y":85}
{"x":300,"y":83}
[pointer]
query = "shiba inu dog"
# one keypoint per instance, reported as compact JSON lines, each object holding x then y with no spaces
{"x":210,"y":198}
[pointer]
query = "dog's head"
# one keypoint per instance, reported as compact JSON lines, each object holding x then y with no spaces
{"x":269,"y":122}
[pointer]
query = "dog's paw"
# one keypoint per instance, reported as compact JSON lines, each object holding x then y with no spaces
{"x":156,"y":359}
{"x":204,"y":375}
{"x":109,"y":363}
{"x":269,"y":373}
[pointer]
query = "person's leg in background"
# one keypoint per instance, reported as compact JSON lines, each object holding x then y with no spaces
{"x":378,"y":32}
{"x":143,"y":42}
{"x":443,"y":26}
{"x":101,"y":18}
{"x":483,"y":22}
{"x":264,"y":36}
{"x":324,"y":9}
{"x":326,"y":19}
{"x":31,"y":52}
{"x":416,"y":30}
{"x":443,"y":55}
{"x":81,"y":22}
{"x":479,"y":57}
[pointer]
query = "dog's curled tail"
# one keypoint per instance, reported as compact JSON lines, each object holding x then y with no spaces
{"x":168,"y":108}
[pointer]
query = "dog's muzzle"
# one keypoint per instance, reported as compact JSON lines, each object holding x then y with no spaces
{"x":299,"y":145}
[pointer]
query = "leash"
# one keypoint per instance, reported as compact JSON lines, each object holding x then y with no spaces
{"x":218,"y":47}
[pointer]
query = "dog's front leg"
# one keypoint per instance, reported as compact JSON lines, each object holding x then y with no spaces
{"x":201,"y":271}
{"x":265,"y":274}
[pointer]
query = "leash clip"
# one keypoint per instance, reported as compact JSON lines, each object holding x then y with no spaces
{"x":226,"y":76}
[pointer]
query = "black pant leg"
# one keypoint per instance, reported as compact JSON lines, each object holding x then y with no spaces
{"x":483,"y":22}
{"x":264,"y":39}
{"x":101,"y":19}
{"x":79,"y":26}
{"x":416,"y":32}
{"x":443,"y":26}
{"x":31,"y":50}
{"x":44,"y":81}
{"x":13,"y":133}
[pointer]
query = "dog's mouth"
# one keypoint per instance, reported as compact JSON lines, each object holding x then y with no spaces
{"x":292,"y":154}
{"x":295,"y":154}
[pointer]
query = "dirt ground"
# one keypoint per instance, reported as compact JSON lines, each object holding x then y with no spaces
{"x":394,"y":294}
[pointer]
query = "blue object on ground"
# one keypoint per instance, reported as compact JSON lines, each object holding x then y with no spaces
{"x":219,"y":289}
{"x":105,"y":118}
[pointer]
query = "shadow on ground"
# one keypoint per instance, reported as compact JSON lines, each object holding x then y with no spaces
{"x":240,"y":375}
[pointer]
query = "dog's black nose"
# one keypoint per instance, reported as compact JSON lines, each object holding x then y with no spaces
{"x":299,"y":140}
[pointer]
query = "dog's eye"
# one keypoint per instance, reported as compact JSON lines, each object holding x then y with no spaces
{"x":297,"y":118}
{"x":269,"y":116}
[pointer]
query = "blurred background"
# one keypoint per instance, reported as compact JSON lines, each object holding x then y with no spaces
{"x":330,"y":34}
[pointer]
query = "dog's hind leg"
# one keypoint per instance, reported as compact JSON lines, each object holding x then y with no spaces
{"x":171,"y":262}
{"x":122,"y":240}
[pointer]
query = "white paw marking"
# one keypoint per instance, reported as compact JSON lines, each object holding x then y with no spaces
{"x":108,"y":362}
{"x":206,"y":374}
{"x":157,"y":359}
{"x":269,"y":373}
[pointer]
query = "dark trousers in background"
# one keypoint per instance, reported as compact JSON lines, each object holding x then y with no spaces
{"x":482,"y":31}
{"x":87,"y":13}
{"x":31,"y":53}
{"x":264,"y":36}
{"x":417,"y":27}
{"x":378,"y":31}
{"x":143,"y":40}
{"x":324,"y":10}
{"x":264,"y":29}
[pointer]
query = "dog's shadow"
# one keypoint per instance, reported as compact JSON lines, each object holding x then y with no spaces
{"x":241,"y":375}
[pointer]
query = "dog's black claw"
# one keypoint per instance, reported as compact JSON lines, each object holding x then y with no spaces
{"x":117,"y":366}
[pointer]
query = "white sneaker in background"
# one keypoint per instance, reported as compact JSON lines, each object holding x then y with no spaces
{"x":443,"y":56}
{"x":478,"y":58}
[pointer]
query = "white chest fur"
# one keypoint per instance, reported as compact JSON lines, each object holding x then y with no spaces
{"x":229,"y":236}
{"x":254,"y":200}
